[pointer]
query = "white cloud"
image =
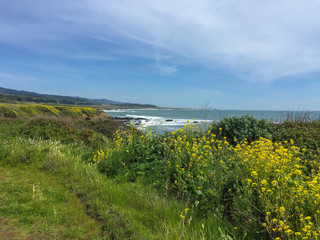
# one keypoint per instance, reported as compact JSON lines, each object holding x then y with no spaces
{"x":257,"y":40}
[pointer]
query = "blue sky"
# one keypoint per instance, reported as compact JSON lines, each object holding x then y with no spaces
{"x":248,"y":54}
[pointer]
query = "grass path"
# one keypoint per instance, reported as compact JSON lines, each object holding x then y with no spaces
{"x":34,"y":205}
{"x":47,"y":191}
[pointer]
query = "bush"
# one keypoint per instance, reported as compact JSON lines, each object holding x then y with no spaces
{"x":60,"y":131}
{"x":305,"y":135}
{"x":131,"y":154}
{"x":7,"y":112}
{"x":262,"y":187}
{"x":237,"y":129}
{"x":106,"y":127}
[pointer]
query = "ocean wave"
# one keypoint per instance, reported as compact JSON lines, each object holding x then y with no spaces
{"x":115,"y":110}
{"x":147,"y":121}
{"x":120,"y":110}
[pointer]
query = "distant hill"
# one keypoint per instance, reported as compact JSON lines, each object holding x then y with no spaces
{"x":16,"y":96}
{"x":19,"y":96}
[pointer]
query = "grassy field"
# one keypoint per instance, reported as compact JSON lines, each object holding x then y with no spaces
{"x":72,"y":178}
{"x":49,"y":190}
{"x":60,"y":196}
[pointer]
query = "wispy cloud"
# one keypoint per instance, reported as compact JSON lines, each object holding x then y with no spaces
{"x":256,"y":40}
{"x":105,"y":40}
{"x":91,"y":57}
{"x":169,"y":70}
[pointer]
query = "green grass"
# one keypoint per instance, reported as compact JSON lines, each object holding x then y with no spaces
{"x":48,"y":191}
{"x":35,"y":205}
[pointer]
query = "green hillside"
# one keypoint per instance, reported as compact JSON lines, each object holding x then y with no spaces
{"x":36,"y":110}
{"x":16,"y":96}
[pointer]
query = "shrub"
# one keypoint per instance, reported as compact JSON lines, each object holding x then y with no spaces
{"x":59,"y":130}
{"x":27,"y":110}
{"x":46,"y":110}
{"x":89,"y":112}
{"x":67,"y":111}
{"x":131,"y":153}
{"x":237,"y":129}
{"x":264,"y":188}
{"x":305,"y":135}
{"x":7,"y":112}
{"x":106,"y":127}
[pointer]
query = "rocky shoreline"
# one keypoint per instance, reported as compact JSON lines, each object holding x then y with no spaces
{"x":138,"y":121}
{"x":128,"y":120}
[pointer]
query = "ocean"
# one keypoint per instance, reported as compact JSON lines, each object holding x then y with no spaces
{"x":174,"y":119}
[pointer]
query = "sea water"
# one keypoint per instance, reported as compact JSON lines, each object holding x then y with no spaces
{"x":174,"y":119}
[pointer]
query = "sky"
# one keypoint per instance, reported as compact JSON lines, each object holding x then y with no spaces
{"x":242,"y":55}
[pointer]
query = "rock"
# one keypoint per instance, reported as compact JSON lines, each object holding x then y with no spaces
{"x":128,"y":120}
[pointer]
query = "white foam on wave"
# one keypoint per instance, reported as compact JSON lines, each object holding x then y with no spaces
{"x":136,"y":110}
{"x":148,"y":121}
{"x":120,"y":110}
{"x":115,"y":110}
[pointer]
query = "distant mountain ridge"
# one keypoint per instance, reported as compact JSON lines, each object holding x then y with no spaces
{"x":10,"y":95}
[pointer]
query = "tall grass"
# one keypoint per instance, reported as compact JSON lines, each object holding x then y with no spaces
{"x":300,"y":117}
{"x":187,"y":184}
{"x":123,"y":209}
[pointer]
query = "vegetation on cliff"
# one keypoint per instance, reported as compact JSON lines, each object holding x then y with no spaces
{"x":38,"y":110}
{"x":72,"y":173}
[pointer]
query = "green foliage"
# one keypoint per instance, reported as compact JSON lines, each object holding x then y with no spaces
{"x":305,"y":135}
{"x":135,"y":155}
{"x":240,"y":128}
{"x":37,"y":110}
{"x":106,"y":127}
{"x":27,"y":110}
{"x":7,"y":112}
{"x":241,"y":182}
{"x":256,"y":185}
{"x":60,"y":131}
{"x":68,"y":111}
{"x":90,"y":135}
{"x":60,"y":183}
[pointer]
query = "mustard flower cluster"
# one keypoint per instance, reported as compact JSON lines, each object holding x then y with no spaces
{"x":288,"y":190}
{"x":262,"y":186}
